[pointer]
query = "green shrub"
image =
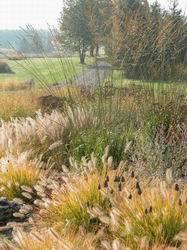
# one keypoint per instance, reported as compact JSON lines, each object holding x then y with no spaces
{"x":5,"y":69}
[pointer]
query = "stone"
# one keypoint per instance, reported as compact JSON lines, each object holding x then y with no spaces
{"x":7,"y":209}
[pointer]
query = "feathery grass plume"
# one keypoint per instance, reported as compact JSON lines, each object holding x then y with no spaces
{"x":14,"y":175}
{"x":142,"y":244}
{"x":33,"y":134}
{"x":182,"y":237}
{"x":156,"y":215}
{"x":47,"y":239}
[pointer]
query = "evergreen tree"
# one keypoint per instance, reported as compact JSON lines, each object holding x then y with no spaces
{"x":74,"y":25}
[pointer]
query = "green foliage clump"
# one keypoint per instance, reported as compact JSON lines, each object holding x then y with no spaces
{"x":95,"y":140}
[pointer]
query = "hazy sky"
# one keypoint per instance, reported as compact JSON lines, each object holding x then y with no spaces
{"x":182,"y":3}
{"x":16,"y":13}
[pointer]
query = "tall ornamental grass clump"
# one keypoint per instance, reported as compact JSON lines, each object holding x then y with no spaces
{"x":14,"y":175}
{"x":157,"y":214}
{"x":69,"y":207}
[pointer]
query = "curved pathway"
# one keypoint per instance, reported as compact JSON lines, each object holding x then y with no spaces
{"x":91,"y":76}
{"x":94,"y":75}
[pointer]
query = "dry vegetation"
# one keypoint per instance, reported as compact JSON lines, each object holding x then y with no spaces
{"x":101,"y":167}
{"x":71,"y":196}
{"x":21,"y":103}
{"x":112,"y":209}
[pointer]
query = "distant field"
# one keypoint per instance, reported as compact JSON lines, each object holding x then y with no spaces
{"x":47,"y":71}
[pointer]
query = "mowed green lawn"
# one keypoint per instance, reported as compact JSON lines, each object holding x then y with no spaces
{"x":45,"y":70}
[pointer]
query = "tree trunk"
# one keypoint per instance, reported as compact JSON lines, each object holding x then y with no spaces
{"x":82,"y":56}
{"x":97,"y":50}
{"x":82,"y":52}
{"x":92,"y":51}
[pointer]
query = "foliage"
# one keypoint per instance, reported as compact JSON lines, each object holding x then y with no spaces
{"x":47,"y":239}
{"x":150,"y":119}
{"x":121,"y":203}
{"x":161,"y":140}
{"x":75,"y":28}
{"x":90,"y":140}
{"x":158,"y":214}
{"x":118,"y":207}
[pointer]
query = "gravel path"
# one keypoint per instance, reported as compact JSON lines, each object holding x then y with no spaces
{"x":92,"y":76}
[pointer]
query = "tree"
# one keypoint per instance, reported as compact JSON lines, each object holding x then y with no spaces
{"x":146,"y":41}
{"x":126,"y":28}
{"x":179,"y":29}
{"x":74,"y":26}
{"x":98,"y":12}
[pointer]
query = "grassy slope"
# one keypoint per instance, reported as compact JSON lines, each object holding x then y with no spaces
{"x":48,"y":71}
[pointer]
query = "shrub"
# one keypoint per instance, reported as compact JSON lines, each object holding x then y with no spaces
{"x":160,"y":143}
{"x":5,"y":69}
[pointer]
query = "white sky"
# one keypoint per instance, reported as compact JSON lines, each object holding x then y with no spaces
{"x":164,"y":3}
{"x":18,"y":13}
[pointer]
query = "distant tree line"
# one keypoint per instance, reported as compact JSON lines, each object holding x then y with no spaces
{"x":144,"y":40}
{"x":26,"y":41}
{"x":8,"y":37}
